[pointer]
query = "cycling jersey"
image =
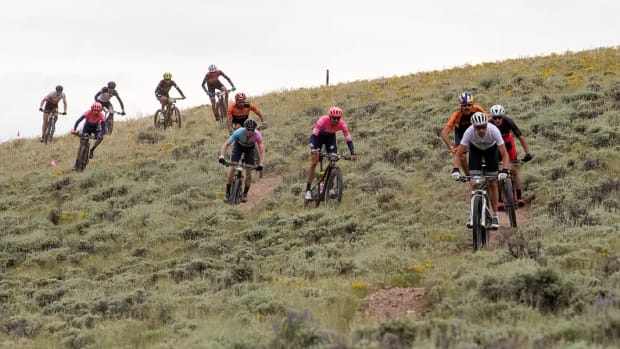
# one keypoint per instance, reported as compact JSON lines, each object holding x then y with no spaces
{"x":324,"y":133}
{"x":460,"y":123}
{"x":164,"y":87}
{"x":212,"y":81}
{"x":55,"y":97}
{"x":105,"y":94}
{"x":245,"y":142}
{"x":508,"y":128}
{"x":93,"y":120}
{"x":241,"y":112}
{"x":491,"y":137}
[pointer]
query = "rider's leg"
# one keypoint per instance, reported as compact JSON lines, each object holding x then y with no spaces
{"x":213,"y":106}
{"x":314,"y":160}
{"x":493,"y":194}
{"x":45,"y":115}
{"x":248,"y":181}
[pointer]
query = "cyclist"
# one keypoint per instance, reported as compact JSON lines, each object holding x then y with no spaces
{"x":51,"y":105}
{"x":460,"y":121}
{"x":244,"y":141}
{"x":485,"y":142}
{"x":239,"y":111}
{"x":508,"y":128}
{"x":212,"y":80}
{"x":324,"y":133}
{"x":94,"y":124}
{"x":105,"y":94}
{"x":164,"y":86}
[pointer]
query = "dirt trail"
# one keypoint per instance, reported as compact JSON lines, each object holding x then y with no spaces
{"x":261,"y":189}
{"x":410,"y":302}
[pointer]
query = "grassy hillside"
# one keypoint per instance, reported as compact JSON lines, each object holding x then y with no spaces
{"x":139,"y":251}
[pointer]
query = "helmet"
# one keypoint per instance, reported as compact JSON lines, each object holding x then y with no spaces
{"x":59,"y":88}
{"x":335,"y":112}
{"x":167,"y":76}
{"x":111,"y":84}
{"x":249,"y":124}
{"x":212,"y":68}
{"x":96,"y":107}
{"x":466,"y":98}
{"x":497,"y":110}
{"x":240,"y":96}
{"x":479,"y":119}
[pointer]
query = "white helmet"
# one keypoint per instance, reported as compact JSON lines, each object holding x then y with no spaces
{"x":212,"y":68}
{"x":497,"y":110}
{"x":478,"y":119}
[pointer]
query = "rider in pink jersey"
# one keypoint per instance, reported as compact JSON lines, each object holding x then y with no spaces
{"x":324,"y":133}
{"x":95,"y":124}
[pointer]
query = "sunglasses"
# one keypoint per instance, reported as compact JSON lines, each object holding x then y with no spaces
{"x":467,"y":105}
{"x":480,"y":127}
{"x":497,"y":117}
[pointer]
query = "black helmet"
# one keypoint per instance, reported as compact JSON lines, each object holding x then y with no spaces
{"x":249,"y":124}
{"x":111,"y":84}
{"x":59,"y":88}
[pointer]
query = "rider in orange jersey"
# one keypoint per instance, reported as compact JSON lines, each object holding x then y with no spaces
{"x":460,"y":121}
{"x":51,"y":101}
{"x":239,"y":111}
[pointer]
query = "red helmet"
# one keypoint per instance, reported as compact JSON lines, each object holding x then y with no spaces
{"x":96,"y":107}
{"x":335,"y":112}
{"x":239,"y":96}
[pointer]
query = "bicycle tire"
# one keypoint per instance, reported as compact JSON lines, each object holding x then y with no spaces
{"x":235,"y":191}
{"x":157,"y":119}
{"x":334,"y":186}
{"x":82,"y":158}
{"x":49,"y":131}
{"x":478,"y":230}
{"x":509,"y":202}
{"x":109,"y":123}
{"x":177,"y":116}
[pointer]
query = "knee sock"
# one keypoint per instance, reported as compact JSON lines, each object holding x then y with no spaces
{"x":227,"y":189}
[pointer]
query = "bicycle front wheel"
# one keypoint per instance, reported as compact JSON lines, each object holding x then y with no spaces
{"x":478,"y":230}
{"x":334,"y":187}
{"x":82,"y":158}
{"x":509,"y":202}
{"x":157,"y":119}
{"x":109,"y":124}
{"x":176,"y":114}
{"x":49,"y":131}
{"x":222,"y":109}
{"x":235,"y":191}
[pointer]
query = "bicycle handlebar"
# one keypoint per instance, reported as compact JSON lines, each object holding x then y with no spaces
{"x":337,"y":156}
{"x":246,"y":166}
{"x":469,"y":178}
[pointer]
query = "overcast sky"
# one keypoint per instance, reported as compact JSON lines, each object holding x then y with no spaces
{"x":264,"y":45}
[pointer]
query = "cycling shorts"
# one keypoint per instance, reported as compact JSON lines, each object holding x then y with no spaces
{"x":239,"y":120}
{"x":249,"y":152}
{"x":490,"y":156}
{"x":324,"y":139}
{"x":50,"y":107}
{"x":511,"y":148}
{"x":93,"y":129}
{"x":212,"y":87}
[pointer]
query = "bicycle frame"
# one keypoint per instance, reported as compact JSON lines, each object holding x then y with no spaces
{"x":238,"y":183}
{"x":324,"y":176}
{"x":221,"y":104}
{"x":50,"y":125}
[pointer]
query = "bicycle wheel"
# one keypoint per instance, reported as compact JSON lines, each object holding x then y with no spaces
{"x":82,"y":158}
{"x":157,"y":122}
{"x":109,"y":123}
{"x":49,"y":131}
{"x":478,"y":230}
{"x":176,"y":116}
{"x":235,"y":191}
{"x":509,"y":202}
{"x":222,"y":109}
{"x":334,"y":187}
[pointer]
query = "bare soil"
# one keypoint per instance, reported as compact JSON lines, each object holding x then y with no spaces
{"x":400,"y":302}
{"x":261,"y":189}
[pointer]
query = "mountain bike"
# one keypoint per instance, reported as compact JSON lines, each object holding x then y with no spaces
{"x":329,"y":183}
{"x":165,"y":118}
{"x":507,"y":195}
{"x":51,"y":125}
{"x":238,"y":184}
{"x":83,"y":151}
{"x":221,"y":105}
{"x":480,"y":208}
{"x":109,"y":120}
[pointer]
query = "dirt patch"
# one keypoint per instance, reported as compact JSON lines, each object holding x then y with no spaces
{"x":261,"y":189}
{"x":398,"y":302}
{"x":499,"y":237}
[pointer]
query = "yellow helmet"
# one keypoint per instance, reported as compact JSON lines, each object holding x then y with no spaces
{"x":167,"y":76}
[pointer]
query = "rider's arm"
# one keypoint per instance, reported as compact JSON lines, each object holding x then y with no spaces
{"x":43,"y":101}
{"x":229,"y":81}
{"x":526,"y":147}
{"x":98,"y":93}
{"x":229,"y":114}
{"x":448,"y":128}
{"x":204,"y":82}
{"x":178,"y":89}
{"x":460,"y":149}
{"x":64,"y":104}
{"x":347,"y":136}
{"x":256,"y":111}
{"x":120,"y":101}
{"x":78,"y":121}
{"x":225,"y":147}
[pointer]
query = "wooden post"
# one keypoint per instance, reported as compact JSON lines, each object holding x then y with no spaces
{"x":327,"y":78}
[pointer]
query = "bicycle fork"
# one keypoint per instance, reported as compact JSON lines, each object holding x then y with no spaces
{"x":485,"y":214}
